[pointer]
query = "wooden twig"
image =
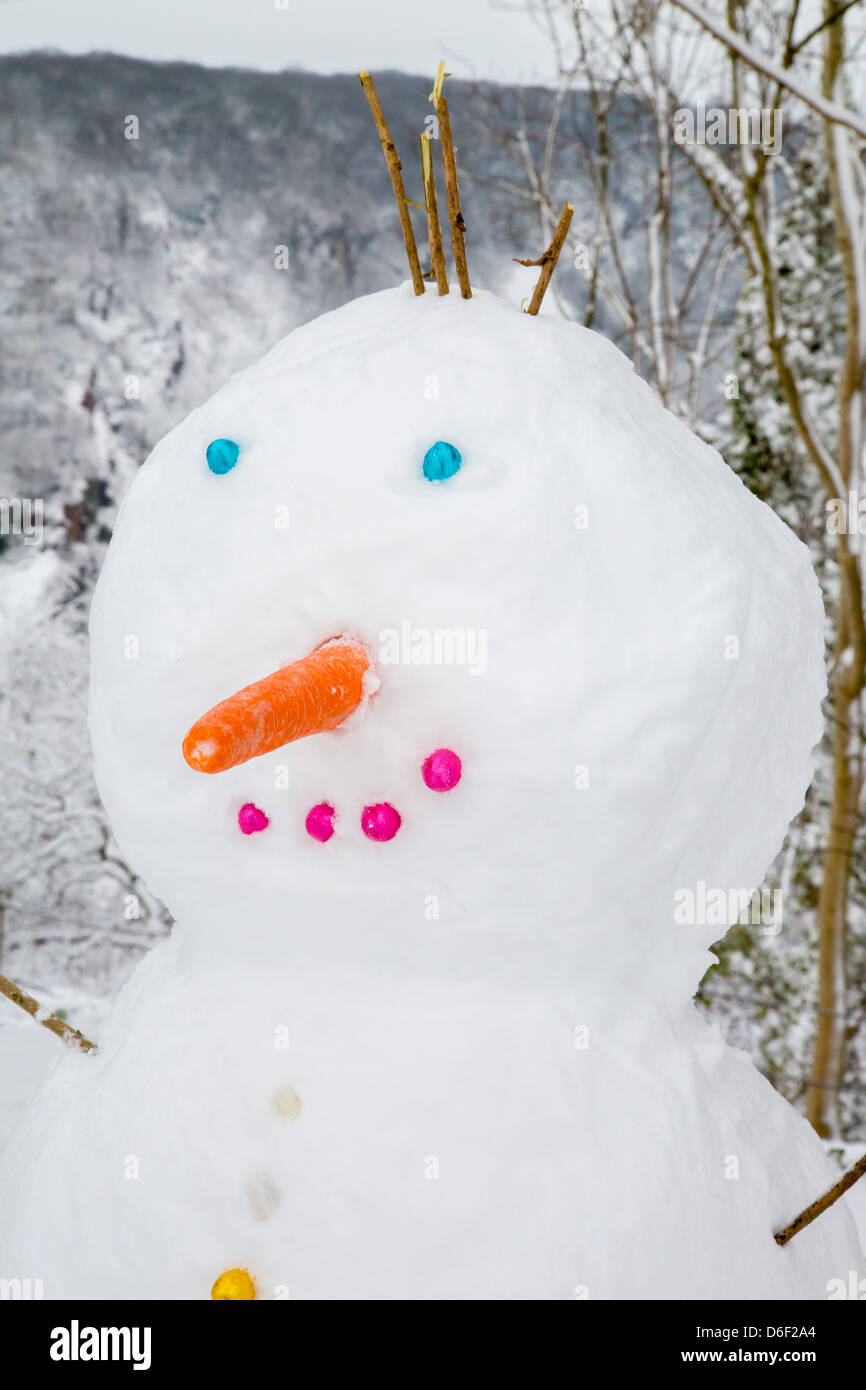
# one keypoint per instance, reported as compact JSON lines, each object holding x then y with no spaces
{"x":441,"y":74}
{"x":434,"y":231}
{"x":452,"y":192}
{"x":395,"y":170}
{"x":62,"y":1030}
{"x":808,"y":1216}
{"x":548,"y":260}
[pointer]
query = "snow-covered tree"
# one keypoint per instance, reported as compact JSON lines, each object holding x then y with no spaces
{"x":794,"y":224}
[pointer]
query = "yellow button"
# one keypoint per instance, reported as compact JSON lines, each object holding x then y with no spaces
{"x":234,"y":1284}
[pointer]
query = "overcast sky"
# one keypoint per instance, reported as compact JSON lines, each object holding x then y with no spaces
{"x":476,"y":38}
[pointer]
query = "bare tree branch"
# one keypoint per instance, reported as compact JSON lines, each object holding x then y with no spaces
{"x":58,"y":1026}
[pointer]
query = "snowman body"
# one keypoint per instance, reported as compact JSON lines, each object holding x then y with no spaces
{"x":461,"y":1062}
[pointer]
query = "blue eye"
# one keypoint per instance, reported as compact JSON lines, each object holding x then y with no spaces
{"x":441,"y":462}
{"x":222,"y":455}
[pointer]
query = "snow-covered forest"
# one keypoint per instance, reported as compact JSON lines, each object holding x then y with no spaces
{"x":164,"y":224}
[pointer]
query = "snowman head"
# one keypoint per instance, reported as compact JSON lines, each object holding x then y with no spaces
{"x":526,"y":656}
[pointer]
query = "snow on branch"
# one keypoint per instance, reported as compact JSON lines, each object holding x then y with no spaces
{"x":830,"y":110}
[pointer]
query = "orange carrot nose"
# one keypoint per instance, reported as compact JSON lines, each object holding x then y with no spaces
{"x":310,"y":696}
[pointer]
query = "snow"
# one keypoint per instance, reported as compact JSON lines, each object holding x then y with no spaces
{"x":504,"y":1089}
{"x":847,"y":1155}
{"x":29,"y":1053}
{"x":24,"y":587}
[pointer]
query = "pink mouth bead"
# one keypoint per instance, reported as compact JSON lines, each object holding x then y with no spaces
{"x":251,"y":819}
{"x":320,"y":822}
{"x":442,"y":770}
{"x":380,"y":822}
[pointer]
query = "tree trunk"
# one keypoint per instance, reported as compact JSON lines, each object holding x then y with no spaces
{"x":822,"y":1094}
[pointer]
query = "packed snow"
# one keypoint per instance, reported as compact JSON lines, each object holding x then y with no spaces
{"x":462,"y":1062}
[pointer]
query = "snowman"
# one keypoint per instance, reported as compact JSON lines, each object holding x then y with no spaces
{"x":433,"y":661}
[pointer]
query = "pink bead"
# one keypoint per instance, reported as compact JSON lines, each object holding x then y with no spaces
{"x":320,"y":822}
{"x":380,"y":822}
{"x":251,"y":819}
{"x":442,"y":770}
